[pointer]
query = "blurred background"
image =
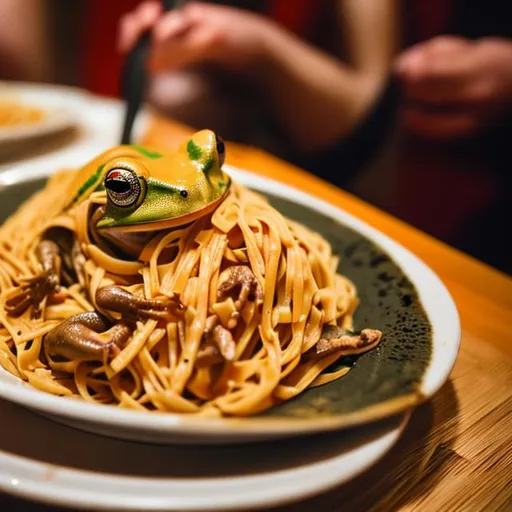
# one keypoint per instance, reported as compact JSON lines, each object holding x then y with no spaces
{"x":407,"y":104}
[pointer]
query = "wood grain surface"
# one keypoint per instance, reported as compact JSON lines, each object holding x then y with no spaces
{"x":456,"y":453}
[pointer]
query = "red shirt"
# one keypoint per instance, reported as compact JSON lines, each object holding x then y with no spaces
{"x":101,"y":61}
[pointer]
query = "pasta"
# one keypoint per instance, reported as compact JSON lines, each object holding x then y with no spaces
{"x":259,"y":290}
{"x":13,"y":113}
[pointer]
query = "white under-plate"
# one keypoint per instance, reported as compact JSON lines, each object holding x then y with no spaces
{"x":48,"y":462}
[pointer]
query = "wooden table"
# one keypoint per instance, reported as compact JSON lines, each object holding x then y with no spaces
{"x":456,"y":453}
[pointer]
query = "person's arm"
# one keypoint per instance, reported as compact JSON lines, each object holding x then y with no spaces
{"x":24,"y":51}
{"x":319,"y":98}
{"x":372,"y":32}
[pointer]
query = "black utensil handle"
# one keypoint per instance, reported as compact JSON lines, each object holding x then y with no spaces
{"x":134,"y":77}
{"x":169,"y":4}
{"x":133,"y":84}
{"x":129,"y":120}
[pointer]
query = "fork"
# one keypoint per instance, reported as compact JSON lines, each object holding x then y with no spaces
{"x":134,"y":77}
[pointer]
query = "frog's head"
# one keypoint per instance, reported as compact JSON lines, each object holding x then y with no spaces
{"x":148,"y":190}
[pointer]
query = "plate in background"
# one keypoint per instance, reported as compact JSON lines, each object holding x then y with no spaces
{"x":51,"y":101}
{"x":92,"y":125}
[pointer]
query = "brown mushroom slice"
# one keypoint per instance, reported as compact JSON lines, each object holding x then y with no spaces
{"x":335,"y":339}
{"x":223,"y":340}
{"x":219,"y":345}
{"x":208,"y":356}
{"x":239,"y":283}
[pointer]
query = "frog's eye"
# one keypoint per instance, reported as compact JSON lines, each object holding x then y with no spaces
{"x":124,"y":188}
{"x":221,"y":150}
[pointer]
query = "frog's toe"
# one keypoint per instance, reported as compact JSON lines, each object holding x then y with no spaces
{"x":166,"y":308}
{"x":18,"y":303}
{"x":31,"y":292}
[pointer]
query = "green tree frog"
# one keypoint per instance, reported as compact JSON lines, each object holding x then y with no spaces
{"x":146,"y":191}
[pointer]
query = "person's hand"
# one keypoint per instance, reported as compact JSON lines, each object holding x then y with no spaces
{"x":455,"y":87}
{"x":197,"y":33}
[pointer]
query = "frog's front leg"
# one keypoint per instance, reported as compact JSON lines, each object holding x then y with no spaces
{"x":78,"y":338}
{"x":35,"y":289}
{"x":114,"y":298}
{"x":61,"y":258}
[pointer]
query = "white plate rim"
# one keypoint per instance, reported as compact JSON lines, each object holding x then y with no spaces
{"x":436,"y":300}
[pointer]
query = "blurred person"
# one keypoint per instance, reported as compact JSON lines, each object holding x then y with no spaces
{"x":24,"y":44}
{"x":256,"y":75}
{"x":456,"y":85}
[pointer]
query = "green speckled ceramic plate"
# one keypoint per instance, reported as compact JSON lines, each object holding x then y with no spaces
{"x":398,"y":294}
